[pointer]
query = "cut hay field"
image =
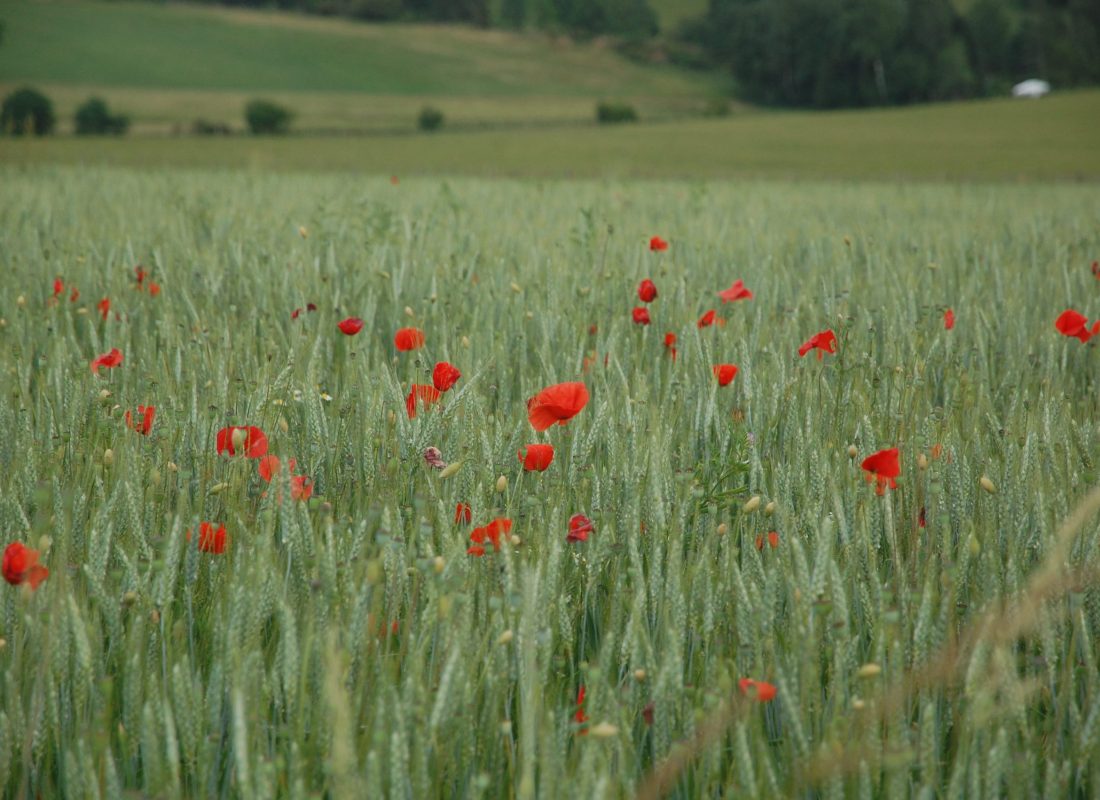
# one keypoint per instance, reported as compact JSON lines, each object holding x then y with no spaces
{"x":747,"y":616}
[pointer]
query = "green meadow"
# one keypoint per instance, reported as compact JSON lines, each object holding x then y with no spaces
{"x":348,"y":645}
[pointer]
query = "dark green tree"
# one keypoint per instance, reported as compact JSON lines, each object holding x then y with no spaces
{"x":27,"y":111}
{"x":93,"y":118}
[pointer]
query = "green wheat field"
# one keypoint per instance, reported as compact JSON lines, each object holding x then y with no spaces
{"x":347,"y":645}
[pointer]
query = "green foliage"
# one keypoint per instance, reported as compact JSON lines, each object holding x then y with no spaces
{"x":95,"y":119}
{"x":26,"y":111}
{"x":429,"y":119}
{"x":836,"y":53}
{"x":266,"y":117}
{"x":145,"y":667}
{"x":609,"y":113}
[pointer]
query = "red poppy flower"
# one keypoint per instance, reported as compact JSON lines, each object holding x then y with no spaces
{"x":657,"y":244}
{"x":408,"y":339}
{"x":75,"y":295}
{"x":463,"y":513}
{"x":647,"y":291}
{"x":736,"y":292}
{"x":139,"y":275}
{"x":757,"y":690}
{"x":296,"y":313}
{"x":109,"y":360}
{"x":58,"y":287}
{"x":670,"y":344}
{"x":20,"y":565}
{"x":423,"y":393}
{"x":154,"y":289}
{"x":580,"y":717}
{"x":882,"y":467}
{"x":707,"y":319}
{"x":921,"y":519}
{"x":724,"y":373}
{"x":350,"y":326}
{"x":489,"y":533}
{"x":1096,"y":269}
{"x":824,"y":342}
{"x":558,"y":403}
{"x":145,"y":415}
{"x":773,"y":540}
{"x":593,"y":329}
{"x":268,"y":467}
{"x":948,"y":319}
{"x":640,"y":315}
{"x":536,"y":457}
{"x":1071,"y":323}
{"x":444,"y":376}
{"x":104,"y":307}
{"x":579,"y":528}
{"x":301,"y":487}
{"x":248,"y":440}
{"x":210,"y":540}
{"x":647,"y":712}
{"x":393,"y":180}
{"x":311,"y":306}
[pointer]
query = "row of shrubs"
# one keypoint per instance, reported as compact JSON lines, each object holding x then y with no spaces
{"x":29,"y":112}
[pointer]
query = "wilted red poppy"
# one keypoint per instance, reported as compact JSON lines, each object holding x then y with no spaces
{"x":463,"y":513}
{"x":142,"y":421}
{"x":104,"y":307}
{"x":670,"y":344}
{"x":210,"y":540}
{"x":422,"y":393}
{"x":640,"y":316}
{"x":949,"y":319}
{"x":408,"y":339}
{"x":773,"y":540}
{"x":724,"y":373}
{"x":139,"y":276}
{"x":647,"y":712}
{"x":579,"y":528}
{"x":593,"y":329}
{"x":736,"y":292}
{"x":707,"y":319}
{"x":247,"y":440}
{"x":1096,"y":269}
{"x":74,"y":295}
{"x":921,"y":519}
{"x":647,"y":291}
{"x":296,"y":313}
{"x":536,"y":457}
{"x":558,"y":403}
{"x":109,"y":360}
{"x":301,"y":487}
{"x":757,"y":690}
{"x":489,"y":533}
{"x":350,"y":326}
{"x":882,"y":467}
{"x":657,"y":244}
{"x":1071,"y":323}
{"x":579,"y":716}
{"x":444,"y":376}
{"x":824,"y":342}
{"x":20,"y":565}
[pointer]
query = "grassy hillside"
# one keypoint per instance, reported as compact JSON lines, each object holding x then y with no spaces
{"x":216,"y":58}
{"x":1053,"y":138}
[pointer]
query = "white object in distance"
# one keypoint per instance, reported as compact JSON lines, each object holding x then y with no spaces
{"x":1031,"y":88}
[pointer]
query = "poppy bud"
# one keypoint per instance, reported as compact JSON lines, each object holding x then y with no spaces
{"x":505,"y":637}
{"x":852,"y":451}
{"x":604,"y":730}
{"x":722,"y":529}
{"x":450,"y":469}
{"x":108,"y":457}
{"x":465,"y":341}
{"x":922,"y":461}
{"x":506,"y":728}
{"x":238,"y":437}
{"x":502,"y":485}
{"x":172,"y":467}
{"x":974,"y":545}
{"x":515,"y":287}
{"x":848,"y":241}
{"x":104,"y":395}
{"x":752,"y":504}
{"x":869,"y":671}
{"x":20,"y":301}
{"x":857,"y":704}
{"x":530,"y":315}
{"x":154,"y":617}
{"x":769,"y":509}
{"x":409,"y":312}
{"x":987,"y":484}
{"x":303,"y":231}
{"x":283,"y":425}
{"x":515,"y":540}
{"x":3,"y":324}
{"x":438,"y":564}
{"x":3,"y":643}
{"x":218,"y":488}
{"x":129,"y":598}
{"x":639,"y":675}
{"x":391,"y":417}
